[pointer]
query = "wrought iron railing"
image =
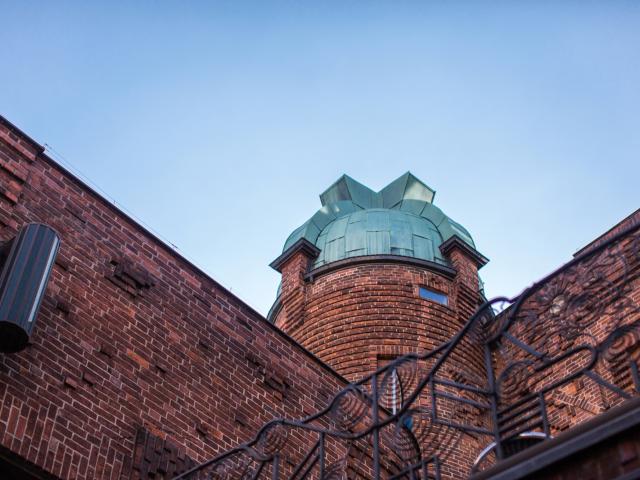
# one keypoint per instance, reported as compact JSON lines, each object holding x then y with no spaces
{"x":518,"y":372}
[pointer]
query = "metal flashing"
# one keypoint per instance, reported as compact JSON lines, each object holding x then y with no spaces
{"x":445,"y":270}
{"x":400,"y":219}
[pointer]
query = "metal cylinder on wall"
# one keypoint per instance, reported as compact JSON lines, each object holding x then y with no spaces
{"x":23,"y":281}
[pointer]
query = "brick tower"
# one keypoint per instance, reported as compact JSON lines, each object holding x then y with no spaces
{"x":375,"y":275}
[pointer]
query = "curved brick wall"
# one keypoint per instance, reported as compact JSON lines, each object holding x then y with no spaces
{"x":360,"y":316}
{"x":354,"y":314}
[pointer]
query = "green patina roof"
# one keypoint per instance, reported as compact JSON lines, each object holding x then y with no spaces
{"x":400,"y":219}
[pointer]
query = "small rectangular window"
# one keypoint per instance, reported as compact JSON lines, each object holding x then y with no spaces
{"x":434,"y":296}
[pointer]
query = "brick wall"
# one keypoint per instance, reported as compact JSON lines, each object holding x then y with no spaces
{"x":138,"y":359}
{"x":632,"y":220}
{"x":363,"y":314}
{"x":576,"y":308}
{"x":356,"y":314}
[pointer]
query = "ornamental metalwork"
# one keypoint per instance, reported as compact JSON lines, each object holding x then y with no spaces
{"x":518,"y":372}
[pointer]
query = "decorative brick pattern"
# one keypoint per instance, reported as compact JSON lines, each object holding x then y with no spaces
{"x":581,"y":305}
{"x":133,"y":280}
{"x":156,"y":458}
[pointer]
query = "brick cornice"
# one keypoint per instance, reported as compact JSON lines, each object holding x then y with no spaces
{"x":456,"y":242}
{"x":444,"y":270}
{"x":303,"y":245}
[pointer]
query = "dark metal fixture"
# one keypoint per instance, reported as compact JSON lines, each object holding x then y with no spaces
{"x":23,"y":282}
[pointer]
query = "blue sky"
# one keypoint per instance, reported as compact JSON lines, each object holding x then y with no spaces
{"x":219,"y":123}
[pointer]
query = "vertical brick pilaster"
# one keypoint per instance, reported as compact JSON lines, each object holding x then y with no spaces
{"x":294,"y":264}
{"x":467,"y":261}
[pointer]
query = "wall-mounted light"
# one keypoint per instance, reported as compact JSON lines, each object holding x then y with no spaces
{"x":23,"y":282}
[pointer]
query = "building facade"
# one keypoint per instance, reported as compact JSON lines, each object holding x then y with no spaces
{"x":138,"y":365}
{"x":139,"y":362}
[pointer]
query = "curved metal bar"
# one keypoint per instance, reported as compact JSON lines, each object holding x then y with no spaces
{"x":563,"y":380}
{"x":486,"y":450}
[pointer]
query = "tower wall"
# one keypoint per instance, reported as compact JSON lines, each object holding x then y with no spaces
{"x":361,"y":314}
{"x":358,"y":315}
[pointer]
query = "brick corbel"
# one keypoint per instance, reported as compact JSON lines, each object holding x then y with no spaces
{"x":303,"y":246}
{"x":456,"y":243}
{"x":294,"y":264}
{"x":467,"y":261}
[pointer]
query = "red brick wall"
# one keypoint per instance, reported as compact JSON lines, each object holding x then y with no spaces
{"x":360,"y":316}
{"x":582,"y":304}
{"x":293,"y":290}
{"x":356,"y":313}
{"x":132,"y":337}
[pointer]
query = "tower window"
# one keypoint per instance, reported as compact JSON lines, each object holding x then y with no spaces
{"x":437,"y":297}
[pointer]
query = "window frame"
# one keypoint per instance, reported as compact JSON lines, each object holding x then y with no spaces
{"x":435,"y":296}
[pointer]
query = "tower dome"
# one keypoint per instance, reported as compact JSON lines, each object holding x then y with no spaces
{"x":400,"y":219}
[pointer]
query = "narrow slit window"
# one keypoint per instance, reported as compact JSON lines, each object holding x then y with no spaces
{"x":434,"y":296}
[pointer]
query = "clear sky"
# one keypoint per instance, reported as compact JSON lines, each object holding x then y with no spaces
{"x":219,"y":123}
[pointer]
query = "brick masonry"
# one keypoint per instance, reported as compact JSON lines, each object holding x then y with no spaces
{"x":362,"y":315}
{"x":140,"y":365}
{"x":581,"y":305}
{"x":132,"y":338}
{"x":352,"y":316}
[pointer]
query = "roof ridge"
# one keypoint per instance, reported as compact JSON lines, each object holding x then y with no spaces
{"x":406,"y":187}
